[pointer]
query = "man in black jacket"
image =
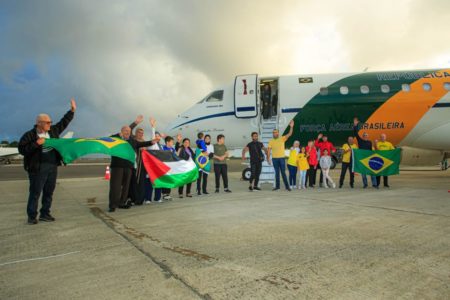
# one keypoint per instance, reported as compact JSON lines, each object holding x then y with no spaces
{"x":121,"y":170}
{"x":366,"y":144}
{"x":42,"y":163}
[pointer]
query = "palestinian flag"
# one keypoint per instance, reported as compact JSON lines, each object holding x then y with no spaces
{"x":166,"y":170}
{"x":376,"y":162}
{"x":71,"y":149}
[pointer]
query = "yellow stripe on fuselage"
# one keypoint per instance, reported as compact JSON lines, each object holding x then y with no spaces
{"x":401,"y":113}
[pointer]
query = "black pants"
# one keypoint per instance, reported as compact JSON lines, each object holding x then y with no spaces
{"x":188,"y":189}
{"x":255,"y":168}
{"x":118,"y":186}
{"x":312,"y":176}
{"x":137,"y":186}
{"x":43,"y":181}
{"x":202,"y":187}
{"x":221,"y":170}
{"x":385,"y":180}
{"x":345,"y":167}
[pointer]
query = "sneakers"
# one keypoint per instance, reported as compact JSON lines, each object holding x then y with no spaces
{"x":167,"y":197}
{"x":227,"y":191}
{"x":148,"y":202}
{"x":46,"y":218}
{"x":32,"y":221}
{"x":333,"y":185}
{"x":250,"y":188}
{"x":275,"y":189}
{"x":189,"y":195}
{"x":256,"y":188}
{"x":124,"y":206}
{"x":111,"y":209}
{"x":217,"y":191}
{"x":158,"y":201}
{"x":180,"y":196}
{"x":205,"y":193}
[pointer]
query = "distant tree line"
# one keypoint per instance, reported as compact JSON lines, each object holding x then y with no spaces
{"x":6,"y":143}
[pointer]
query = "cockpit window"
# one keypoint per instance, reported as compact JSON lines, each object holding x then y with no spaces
{"x":215,"y":96}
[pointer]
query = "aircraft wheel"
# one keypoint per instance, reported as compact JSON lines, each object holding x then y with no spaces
{"x":246,"y":174}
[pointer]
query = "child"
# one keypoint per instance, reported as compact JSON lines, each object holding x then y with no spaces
{"x":292,"y":164}
{"x":168,"y":147}
{"x":185,"y":152}
{"x":202,"y":174}
{"x":303,"y":166}
{"x":325,"y":164}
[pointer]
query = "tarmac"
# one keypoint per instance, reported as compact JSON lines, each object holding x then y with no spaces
{"x":314,"y":244}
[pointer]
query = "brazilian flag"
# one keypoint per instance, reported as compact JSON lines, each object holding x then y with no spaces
{"x":202,"y":161}
{"x":71,"y":149}
{"x":376,"y":162}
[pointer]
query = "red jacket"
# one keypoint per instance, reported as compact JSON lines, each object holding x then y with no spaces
{"x":312,"y":156}
{"x":325,"y":145}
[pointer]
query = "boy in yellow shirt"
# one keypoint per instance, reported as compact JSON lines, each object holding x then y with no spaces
{"x":303,"y":166}
{"x":383,"y":145}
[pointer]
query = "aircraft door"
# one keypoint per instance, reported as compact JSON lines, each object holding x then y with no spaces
{"x":246,"y":96}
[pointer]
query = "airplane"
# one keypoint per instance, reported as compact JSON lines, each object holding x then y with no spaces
{"x":11,"y":153}
{"x":411,"y":107}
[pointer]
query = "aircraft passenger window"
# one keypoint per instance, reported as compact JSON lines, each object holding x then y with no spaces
{"x":215,"y":96}
{"x":426,"y":87}
{"x":447,"y":86}
{"x":324,"y":91}
{"x":406,"y":87}
{"x":385,"y":88}
{"x":344,"y":90}
{"x":365,"y":89}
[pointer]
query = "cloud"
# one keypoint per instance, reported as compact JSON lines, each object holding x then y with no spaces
{"x":121,"y":58}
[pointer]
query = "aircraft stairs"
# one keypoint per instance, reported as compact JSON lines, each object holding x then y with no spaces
{"x":266,"y":129}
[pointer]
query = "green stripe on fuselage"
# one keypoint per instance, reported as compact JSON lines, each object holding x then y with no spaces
{"x":333,"y":114}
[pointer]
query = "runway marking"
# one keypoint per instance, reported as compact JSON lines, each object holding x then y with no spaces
{"x":129,"y":233}
{"x":37,"y":258}
{"x":379,"y":207}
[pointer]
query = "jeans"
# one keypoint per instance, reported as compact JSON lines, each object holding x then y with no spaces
{"x":43,"y":181}
{"x":345,"y":167}
{"x":385,"y":180}
{"x":279,"y":164}
{"x":202,"y":187}
{"x":372,"y":178}
{"x":255,"y":168}
{"x":149,"y":191}
{"x":302,"y":181}
{"x":292,"y":175}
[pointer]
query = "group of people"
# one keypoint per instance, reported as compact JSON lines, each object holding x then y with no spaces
{"x":303,"y":162}
{"x":130,"y":184}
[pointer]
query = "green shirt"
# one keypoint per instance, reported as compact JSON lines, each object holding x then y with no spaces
{"x":220,"y":150}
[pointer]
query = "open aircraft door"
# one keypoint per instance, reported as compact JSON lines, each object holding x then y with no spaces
{"x":246,"y":96}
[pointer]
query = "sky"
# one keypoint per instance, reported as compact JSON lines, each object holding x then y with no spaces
{"x":121,"y":58}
